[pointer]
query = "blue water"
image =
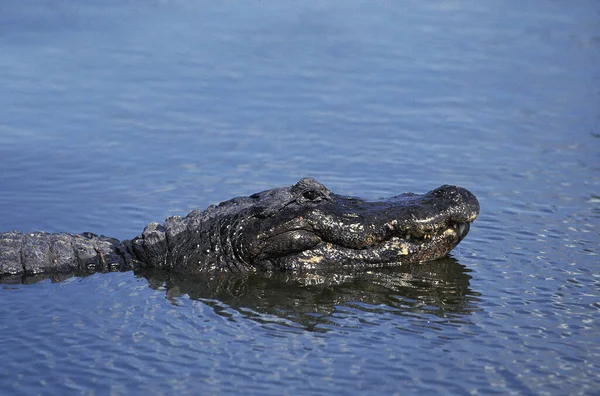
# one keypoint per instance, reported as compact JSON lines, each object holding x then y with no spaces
{"x":114,"y":114}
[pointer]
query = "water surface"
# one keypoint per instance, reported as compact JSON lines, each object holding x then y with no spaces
{"x":116,"y":114}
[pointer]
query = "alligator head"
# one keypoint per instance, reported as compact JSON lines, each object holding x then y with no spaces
{"x":306,"y":226}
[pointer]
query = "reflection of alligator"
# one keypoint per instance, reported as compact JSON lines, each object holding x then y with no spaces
{"x":423,"y":292}
{"x":302,"y":227}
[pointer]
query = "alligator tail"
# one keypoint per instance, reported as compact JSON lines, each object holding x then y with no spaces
{"x":41,"y":252}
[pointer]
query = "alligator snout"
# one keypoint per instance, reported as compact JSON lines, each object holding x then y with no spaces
{"x":464,"y":205}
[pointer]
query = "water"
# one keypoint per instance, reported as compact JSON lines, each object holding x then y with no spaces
{"x":115,"y":114}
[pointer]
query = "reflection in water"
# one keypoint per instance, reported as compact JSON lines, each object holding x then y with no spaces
{"x":435,"y":292}
{"x":439,"y":288}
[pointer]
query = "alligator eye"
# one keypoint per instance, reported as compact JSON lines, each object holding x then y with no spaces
{"x":311,"y":195}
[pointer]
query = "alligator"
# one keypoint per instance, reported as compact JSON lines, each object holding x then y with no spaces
{"x":298,"y":228}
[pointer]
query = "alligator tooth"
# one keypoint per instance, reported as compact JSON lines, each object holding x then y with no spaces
{"x":391,"y":225}
{"x":454,"y":226}
{"x":461,"y":228}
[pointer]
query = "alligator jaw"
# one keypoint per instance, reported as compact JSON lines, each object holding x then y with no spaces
{"x":394,"y":250}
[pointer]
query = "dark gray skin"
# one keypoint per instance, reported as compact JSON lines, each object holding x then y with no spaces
{"x":303,"y":227}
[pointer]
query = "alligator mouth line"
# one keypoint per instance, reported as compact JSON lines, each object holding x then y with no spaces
{"x":415,"y":238}
{"x":396,"y":247}
{"x":459,"y":230}
{"x":456,"y":231}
